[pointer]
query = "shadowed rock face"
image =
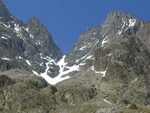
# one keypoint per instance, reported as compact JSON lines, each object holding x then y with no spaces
{"x":85,"y":46}
{"x":43,"y":38}
{"x":26,"y":46}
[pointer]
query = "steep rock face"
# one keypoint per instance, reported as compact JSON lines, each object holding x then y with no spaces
{"x":117,"y":28}
{"x":84,"y":53}
{"x":118,"y":65}
{"x":85,"y":46}
{"x":43,"y":39}
{"x":123,"y":56}
{"x":116,"y":25}
{"x":26,"y":46}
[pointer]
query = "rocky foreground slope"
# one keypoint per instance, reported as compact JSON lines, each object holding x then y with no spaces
{"x":107,"y":70}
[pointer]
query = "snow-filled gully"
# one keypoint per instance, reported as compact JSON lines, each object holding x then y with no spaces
{"x":64,"y":69}
{"x":60,"y":77}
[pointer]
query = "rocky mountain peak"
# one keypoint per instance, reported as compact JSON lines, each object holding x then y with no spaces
{"x":33,"y":19}
{"x":42,"y":38}
{"x":34,"y":22}
{"x":117,"y":15}
{"x":4,"y":12}
{"x":27,"y":47}
{"x":117,"y":24}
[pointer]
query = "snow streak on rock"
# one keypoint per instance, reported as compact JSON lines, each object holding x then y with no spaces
{"x":4,"y":38}
{"x":5,"y":58}
{"x":102,"y":73}
{"x":105,"y":40}
{"x":126,"y":25}
{"x":28,"y":62}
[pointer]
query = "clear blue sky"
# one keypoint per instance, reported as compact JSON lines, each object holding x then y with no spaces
{"x":65,"y":19}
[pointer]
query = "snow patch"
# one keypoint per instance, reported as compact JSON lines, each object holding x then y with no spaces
{"x":82,"y":48}
{"x":103,"y":73}
{"x":127,"y":25}
{"x":20,"y":57}
{"x":104,"y":41}
{"x":7,"y":26}
{"x":4,"y":37}
{"x":5,"y":58}
{"x":82,"y":64}
{"x":59,"y":77}
{"x":62,"y":65}
{"x":49,"y":59}
{"x":28,"y":62}
{"x":41,"y":64}
{"x":90,"y":57}
{"x":119,"y":32}
{"x":38,"y":43}
{"x":27,"y":29}
{"x":35,"y":73}
{"x":107,"y":101}
{"x":84,"y":57}
{"x":77,"y":61}
{"x":70,"y":69}
{"x":31,"y":36}
{"x":110,"y":54}
{"x":132,"y":22}
{"x":53,"y":81}
{"x":135,"y":80}
{"x":92,"y":68}
{"x":17,"y":28}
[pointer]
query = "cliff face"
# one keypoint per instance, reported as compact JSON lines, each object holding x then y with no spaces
{"x":26,"y":46}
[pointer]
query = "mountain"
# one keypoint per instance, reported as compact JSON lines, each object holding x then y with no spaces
{"x":27,"y":46}
{"x":107,"y":70}
{"x":113,"y":62}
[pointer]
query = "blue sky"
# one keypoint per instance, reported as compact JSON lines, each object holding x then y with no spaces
{"x":65,"y":19}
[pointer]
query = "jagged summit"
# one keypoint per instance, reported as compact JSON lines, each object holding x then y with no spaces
{"x":34,"y":22}
{"x":33,"y":19}
{"x":4,"y":12}
{"x":43,"y":38}
{"x":117,"y":19}
{"x":27,"y":47}
{"x":118,"y":14}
